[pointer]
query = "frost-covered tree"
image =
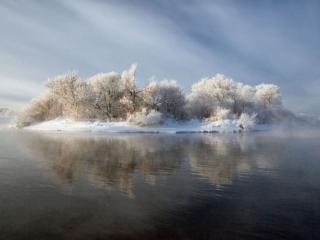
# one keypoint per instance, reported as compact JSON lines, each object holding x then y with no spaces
{"x":165,"y":97}
{"x":131,"y":99}
{"x":200,"y":102}
{"x":116,"y":95}
{"x":108,"y":91}
{"x":75,"y":95}
{"x":208,"y":94}
{"x":268,"y":95}
{"x":223,"y":89}
{"x":85,"y":99}
{"x":243,"y":97}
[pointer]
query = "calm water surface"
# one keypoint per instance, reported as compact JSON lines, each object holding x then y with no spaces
{"x":89,"y":186}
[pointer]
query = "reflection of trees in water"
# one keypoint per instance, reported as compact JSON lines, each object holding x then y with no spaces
{"x":114,"y":161}
{"x":108,"y":161}
{"x":220,"y":158}
{"x":217,"y":159}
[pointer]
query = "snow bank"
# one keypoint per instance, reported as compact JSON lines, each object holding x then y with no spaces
{"x":144,"y":119}
{"x":170,"y":126}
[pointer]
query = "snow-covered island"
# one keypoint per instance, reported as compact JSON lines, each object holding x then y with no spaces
{"x":170,"y":126}
{"x":112,"y":102}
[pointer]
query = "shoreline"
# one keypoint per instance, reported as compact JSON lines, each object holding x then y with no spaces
{"x":169,"y":127}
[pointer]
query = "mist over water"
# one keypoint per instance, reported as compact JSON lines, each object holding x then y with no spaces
{"x":153,"y":186}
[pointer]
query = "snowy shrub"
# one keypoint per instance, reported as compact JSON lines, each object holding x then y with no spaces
{"x":46,"y":107}
{"x":219,"y":114}
{"x":219,"y":91}
{"x":143,"y":118}
{"x":247,"y":121}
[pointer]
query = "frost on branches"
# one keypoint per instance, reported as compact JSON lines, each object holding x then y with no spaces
{"x":115,"y":97}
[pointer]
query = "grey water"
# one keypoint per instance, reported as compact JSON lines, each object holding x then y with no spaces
{"x":153,"y":186}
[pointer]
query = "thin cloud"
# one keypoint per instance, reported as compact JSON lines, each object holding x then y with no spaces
{"x":182,"y":40}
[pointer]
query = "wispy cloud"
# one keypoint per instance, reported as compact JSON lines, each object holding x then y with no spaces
{"x":273,"y":41}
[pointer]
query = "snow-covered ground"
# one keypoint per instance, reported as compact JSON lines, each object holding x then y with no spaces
{"x":170,"y":126}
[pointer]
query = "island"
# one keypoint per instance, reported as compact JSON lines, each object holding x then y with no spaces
{"x":112,"y":102}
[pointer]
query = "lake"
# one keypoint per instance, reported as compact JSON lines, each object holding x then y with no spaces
{"x":154,"y":186}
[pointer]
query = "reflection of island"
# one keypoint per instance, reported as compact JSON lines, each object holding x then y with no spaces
{"x":218,"y":159}
{"x":222,"y":158}
{"x":117,"y":161}
{"x":107,"y":161}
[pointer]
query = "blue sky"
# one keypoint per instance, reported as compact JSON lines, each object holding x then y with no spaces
{"x":250,"y":41}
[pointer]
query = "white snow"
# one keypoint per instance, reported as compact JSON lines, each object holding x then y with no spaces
{"x":170,"y":126}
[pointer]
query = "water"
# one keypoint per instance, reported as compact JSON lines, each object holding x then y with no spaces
{"x":214,"y":186}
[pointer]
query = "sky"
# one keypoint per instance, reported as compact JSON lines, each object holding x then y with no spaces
{"x":250,"y":41}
